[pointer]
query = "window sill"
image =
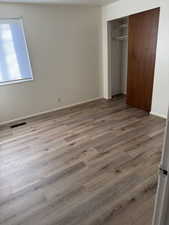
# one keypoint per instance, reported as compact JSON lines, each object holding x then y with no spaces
{"x":15,"y":82}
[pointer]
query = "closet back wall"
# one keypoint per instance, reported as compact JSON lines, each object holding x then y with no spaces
{"x":63,"y":43}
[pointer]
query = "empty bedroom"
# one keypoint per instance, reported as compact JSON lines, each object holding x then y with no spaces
{"x":84,"y":97}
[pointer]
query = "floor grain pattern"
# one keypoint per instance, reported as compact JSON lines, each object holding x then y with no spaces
{"x":93,"y":164}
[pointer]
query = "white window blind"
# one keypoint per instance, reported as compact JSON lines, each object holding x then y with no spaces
{"x":14,"y":59}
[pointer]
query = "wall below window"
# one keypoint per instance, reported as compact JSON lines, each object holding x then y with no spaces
{"x":63,"y":43}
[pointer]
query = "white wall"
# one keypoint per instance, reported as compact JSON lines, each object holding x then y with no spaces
{"x":124,"y":8}
{"x":64,"y":43}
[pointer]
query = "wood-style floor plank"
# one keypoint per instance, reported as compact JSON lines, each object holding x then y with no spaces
{"x":93,"y":164}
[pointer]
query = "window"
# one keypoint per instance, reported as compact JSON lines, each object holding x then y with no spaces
{"x":14,"y":59}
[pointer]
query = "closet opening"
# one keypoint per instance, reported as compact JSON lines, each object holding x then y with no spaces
{"x":118,"y":56}
{"x":132,"y":43}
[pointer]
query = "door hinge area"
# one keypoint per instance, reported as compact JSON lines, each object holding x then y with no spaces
{"x":164,"y":172}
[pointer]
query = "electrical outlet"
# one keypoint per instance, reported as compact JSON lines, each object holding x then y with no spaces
{"x":59,"y":99}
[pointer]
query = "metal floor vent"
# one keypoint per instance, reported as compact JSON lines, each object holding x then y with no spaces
{"x":18,"y":125}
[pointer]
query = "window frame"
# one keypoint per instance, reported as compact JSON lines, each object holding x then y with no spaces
{"x":19,"y":20}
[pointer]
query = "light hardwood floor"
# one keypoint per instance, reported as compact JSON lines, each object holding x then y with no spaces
{"x":94,"y":164}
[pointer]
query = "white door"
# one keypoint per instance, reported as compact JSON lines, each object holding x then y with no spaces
{"x":161,"y":216}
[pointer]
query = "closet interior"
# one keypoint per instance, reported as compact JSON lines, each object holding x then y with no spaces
{"x":119,"y":56}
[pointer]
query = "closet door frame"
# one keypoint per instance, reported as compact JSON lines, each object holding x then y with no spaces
{"x":107,"y":55}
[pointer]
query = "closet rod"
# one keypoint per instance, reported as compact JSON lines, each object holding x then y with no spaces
{"x":120,"y":38}
{"x":124,"y":25}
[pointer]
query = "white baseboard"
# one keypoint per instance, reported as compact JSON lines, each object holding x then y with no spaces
{"x":48,"y":111}
{"x":159,"y":115}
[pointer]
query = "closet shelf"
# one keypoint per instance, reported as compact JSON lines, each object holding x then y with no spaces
{"x":124,"y":25}
{"x":120,"y":38}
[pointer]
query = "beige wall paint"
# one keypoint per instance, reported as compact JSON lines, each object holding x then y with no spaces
{"x":123,"y":8}
{"x":63,"y":43}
